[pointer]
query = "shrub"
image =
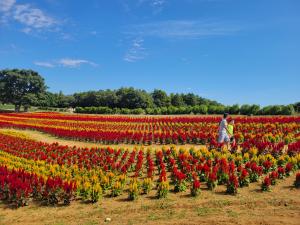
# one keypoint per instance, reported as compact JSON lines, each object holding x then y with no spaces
{"x":133,"y":191}
{"x":265,"y":186}
{"x":147,"y":185}
{"x":297,"y":181}
{"x":163,"y":189}
{"x":212,"y":181}
{"x":195,"y":188}
{"x":232,"y":184}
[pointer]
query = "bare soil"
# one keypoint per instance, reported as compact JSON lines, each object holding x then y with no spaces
{"x":249,"y":206}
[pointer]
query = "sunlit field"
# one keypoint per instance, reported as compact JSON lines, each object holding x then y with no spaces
{"x":158,"y":167}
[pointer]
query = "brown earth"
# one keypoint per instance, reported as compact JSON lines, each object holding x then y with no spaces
{"x":249,"y":206}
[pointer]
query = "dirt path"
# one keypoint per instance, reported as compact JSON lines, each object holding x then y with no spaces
{"x":39,"y":136}
{"x":250,"y":206}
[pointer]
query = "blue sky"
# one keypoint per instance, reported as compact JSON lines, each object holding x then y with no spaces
{"x":232,"y":51}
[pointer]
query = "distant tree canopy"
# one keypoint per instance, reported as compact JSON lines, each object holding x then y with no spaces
{"x":27,"y":88}
{"x":127,"y":98}
{"x":297,"y":107}
{"x":160,"y":98}
{"x":21,"y":87}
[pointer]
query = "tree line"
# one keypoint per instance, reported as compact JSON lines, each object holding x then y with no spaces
{"x":27,"y":88}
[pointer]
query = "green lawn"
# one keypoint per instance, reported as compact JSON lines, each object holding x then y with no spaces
{"x":7,"y":107}
{"x":10,"y":107}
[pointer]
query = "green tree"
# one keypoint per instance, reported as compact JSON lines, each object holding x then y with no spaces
{"x":234,"y":109}
{"x":160,"y":98}
{"x":29,"y":100}
{"x":287,"y":110}
{"x":107,"y":98}
{"x":177,"y":100}
{"x":245,"y":109}
{"x":297,"y":107}
{"x":132,"y":99}
{"x":15,"y":85}
{"x":190,"y":99}
{"x":254,"y":109}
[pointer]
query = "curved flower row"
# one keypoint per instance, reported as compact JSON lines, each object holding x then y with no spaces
{"x":264,"y":133}
{"x":57,"y":174}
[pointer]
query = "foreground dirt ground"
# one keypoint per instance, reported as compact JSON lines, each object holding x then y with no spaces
{"x":250,"y":206}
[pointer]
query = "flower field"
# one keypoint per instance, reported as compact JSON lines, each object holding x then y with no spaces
{"x":268,"y":151}
{"x":260,"y":132}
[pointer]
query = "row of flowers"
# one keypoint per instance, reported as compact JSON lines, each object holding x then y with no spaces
{"x":57,"y":174}
{"x":18,"y":186}
{"x":264,"y":133}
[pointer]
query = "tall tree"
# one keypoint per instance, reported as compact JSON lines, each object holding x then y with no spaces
{"x":177,"y":100}
{"x":160,"y":98}
{"x":133,"y":98}
{"x":190,"y":99}
{"x":20,"y":86}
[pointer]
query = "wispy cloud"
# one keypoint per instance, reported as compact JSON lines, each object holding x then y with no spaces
{"x":11,"y":48}
{"x":44,"y":64}
{"x":65,"y":62}
{"x":183,"y":29}
{"x":32,"y":18}
{"x":136,"y":51}
{"x":156,"y":5}
{"x":6,"y":5}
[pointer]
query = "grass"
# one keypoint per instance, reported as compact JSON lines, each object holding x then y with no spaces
{"x":7,"y":107}
{"x":204,"y":211}
{"x":10,"y":107}
{"x":220,"y":203}
{"x":232,"y":213}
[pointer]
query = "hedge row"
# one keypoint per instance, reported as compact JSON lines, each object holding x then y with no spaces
{"x":199,"y":109}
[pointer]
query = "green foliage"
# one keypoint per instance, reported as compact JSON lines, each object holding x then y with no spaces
{"x":131,"y":98}
{"x":160,"y":98}
{"x":234,"y":109}
{"x":20,"y":87}
{"x":277,"y":110}
{"x":177,"y":100}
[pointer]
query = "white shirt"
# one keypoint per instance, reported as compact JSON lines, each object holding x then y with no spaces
{"x":222,"y":126}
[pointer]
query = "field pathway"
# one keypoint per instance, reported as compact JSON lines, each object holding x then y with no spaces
{"x":47,"y":138}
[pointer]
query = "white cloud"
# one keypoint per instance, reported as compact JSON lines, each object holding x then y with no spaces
{"x":65,"y":62}
{"x":32,"y":17}
{"x":44,"y":64}
{"x":136,"y":51}
{"x":156,"y":5}
{"x":11,"y":48}
{"x":183,"y":29}
{"x":158,"y":2}
{"x":6,"y":5}
{"x":26,"y":30}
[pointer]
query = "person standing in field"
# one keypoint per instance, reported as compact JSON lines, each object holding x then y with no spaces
{"x":223,"y":131}
{"x":230,"y":128}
